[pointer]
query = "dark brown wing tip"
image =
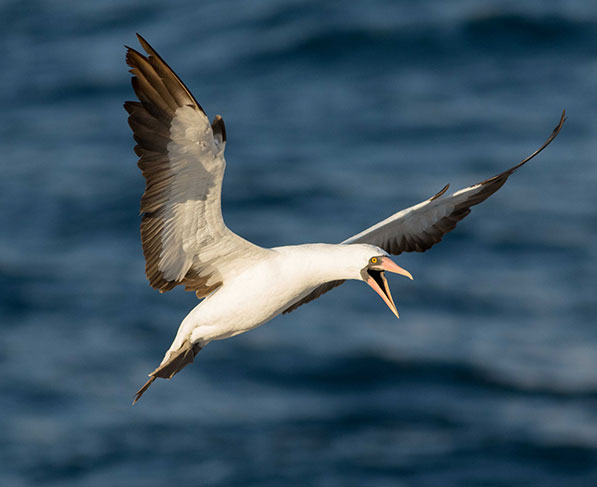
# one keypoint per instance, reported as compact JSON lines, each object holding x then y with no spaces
{"x":548,"y":141}
{"x":131,"y":53}
{"x":218,"y":127}
{"x":440,"y":192}
{"x":141,"y":391}
{"x":145,"y":44}
{"x":147,"y":48}
{"x":563,"y":118}
{"x":152,"y":53}
{"x":131,"y":106}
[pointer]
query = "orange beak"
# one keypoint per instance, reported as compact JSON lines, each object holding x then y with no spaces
{"x":377,"y":280}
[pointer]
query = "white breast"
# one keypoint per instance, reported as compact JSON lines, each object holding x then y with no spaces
{"x":258,"y":293}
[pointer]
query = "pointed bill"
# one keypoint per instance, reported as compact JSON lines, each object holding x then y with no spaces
{"x":380,"y":286}
{"x":377,"y":280}
{"x":387,"y":264}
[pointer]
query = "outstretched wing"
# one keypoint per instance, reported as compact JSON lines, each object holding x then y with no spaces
{"x":421,"y":226}
{"x":181,"y":155}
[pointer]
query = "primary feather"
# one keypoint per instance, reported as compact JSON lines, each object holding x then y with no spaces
{"x":185,"y":240}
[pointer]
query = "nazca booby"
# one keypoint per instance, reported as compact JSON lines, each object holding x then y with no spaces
{"x":185,"y":240}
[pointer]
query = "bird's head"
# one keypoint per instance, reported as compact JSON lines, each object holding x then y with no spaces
{"x":373,"y":273}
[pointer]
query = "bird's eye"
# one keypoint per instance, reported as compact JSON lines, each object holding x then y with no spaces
{"x":374,"y":260}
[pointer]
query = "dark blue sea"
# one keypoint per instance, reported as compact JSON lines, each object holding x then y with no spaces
{"x":338,"y":114}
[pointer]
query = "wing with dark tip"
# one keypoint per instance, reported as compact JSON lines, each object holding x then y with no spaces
{"x":420,"y":227}
{"x":185,"y":240}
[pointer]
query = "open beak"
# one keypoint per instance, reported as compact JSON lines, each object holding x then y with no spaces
{"x":377,"y":280}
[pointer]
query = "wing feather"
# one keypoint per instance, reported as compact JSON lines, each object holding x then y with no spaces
{"x":418,"y":228}
{"x":421,"y":226}
{"x":318,"y":291}
{"x":181,"y":156}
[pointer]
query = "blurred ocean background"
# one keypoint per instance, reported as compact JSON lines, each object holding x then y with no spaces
{"x":338,"y":114}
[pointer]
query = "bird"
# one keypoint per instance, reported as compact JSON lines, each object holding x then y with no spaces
{"x":242,"y":285}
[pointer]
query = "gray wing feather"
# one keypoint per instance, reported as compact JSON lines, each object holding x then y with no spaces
{"x":185,"y":240}
{"x":420,"y":227}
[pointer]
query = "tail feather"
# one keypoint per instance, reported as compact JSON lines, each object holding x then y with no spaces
{"x":143,"y":389}
{"x":177,"y":361}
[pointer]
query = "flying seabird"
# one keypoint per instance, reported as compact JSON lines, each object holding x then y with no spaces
{"x":185,"y":240}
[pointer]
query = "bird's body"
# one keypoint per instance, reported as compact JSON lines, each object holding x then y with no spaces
{"x":185,"y":240}
{"x":265,"y":287}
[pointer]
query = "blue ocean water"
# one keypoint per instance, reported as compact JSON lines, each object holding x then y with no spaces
{"x":338,"y":114}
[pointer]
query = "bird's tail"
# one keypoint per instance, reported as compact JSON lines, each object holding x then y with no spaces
{"x":176,"y":362}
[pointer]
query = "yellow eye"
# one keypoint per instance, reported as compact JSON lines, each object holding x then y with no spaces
{"x":374,"y":260}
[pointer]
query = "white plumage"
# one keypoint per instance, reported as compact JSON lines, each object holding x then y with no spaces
{"x":185,"y":240}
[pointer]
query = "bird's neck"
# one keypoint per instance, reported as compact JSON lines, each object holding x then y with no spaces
{"x":324,"y":262}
